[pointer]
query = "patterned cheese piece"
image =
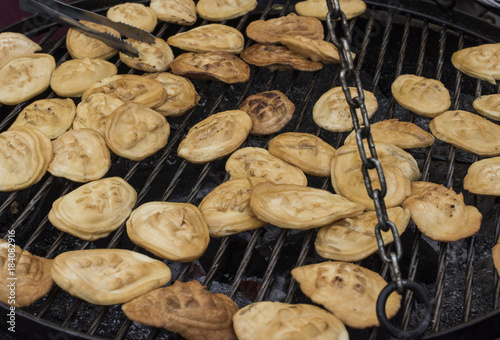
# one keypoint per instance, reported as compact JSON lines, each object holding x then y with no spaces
{"x":24,"y":77}
{"x":349,"y":291}
{"x":93,"y":112}
{"x":226,"y":209}
{"x":481,"y":62}
{"x":22,"y":158}
{"x":269,"y":111}
{"x":80,"y":155}
{"x":353,"y":239}
{"x":51,"y":116}
{"x":405,"y":135}
{"x":468,"y":132}
{"x":187,"y":308}
{"x":130,"y":88}
{"x":219,"y":10}
{"x":314,"y":49}
{"x":318,"y":8}
{"x":81,"y":46}
{"x":270,"y":31}
{"x":108,"y":276}
{"x":488,"y":106}
{"x":348,"y":155}
{"x":299,"y":207}
{"x":258,"y":162}
{"x":277,"y":320}
{"x":440,"y":213}
{"x":31,"y":277}
{"x":47,"y":152}
{"x":135,"y":132}
{"x":222,"y":66}
{"x":181,"y":93}
{"x":209,"y":38}
{"x":216,"y":136}
{"x":12,"y":44}
{"x":308,"y":152}
{"x":95,"y":209}
{"x":73,"y":77}
{"x":181,"y":12}
{"x":483,"y":177}
{"x":347,"y":178}
{"x":423,"y":96}
{"x":174,"y":231}
{"x":134,"y":14}
{"x":155,"y":57}
{"x":331,"y":111}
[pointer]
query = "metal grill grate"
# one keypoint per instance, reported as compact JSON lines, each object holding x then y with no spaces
{"x":389,"y":39}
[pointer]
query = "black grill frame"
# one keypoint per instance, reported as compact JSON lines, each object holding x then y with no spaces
{"x":439,"y":34}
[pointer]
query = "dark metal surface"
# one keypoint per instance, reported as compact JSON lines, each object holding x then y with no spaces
{"x":391,"y":38}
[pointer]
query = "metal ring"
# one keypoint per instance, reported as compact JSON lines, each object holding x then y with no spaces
{"x":382,"y":316}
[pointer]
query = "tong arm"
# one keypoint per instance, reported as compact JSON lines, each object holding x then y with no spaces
{"x":69,"y":16}
{"x":126,"y":30}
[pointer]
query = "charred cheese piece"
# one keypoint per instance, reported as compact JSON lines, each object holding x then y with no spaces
{"x":31,"y":275}
{"x":187,"y":308}
{"x":270,"y":31}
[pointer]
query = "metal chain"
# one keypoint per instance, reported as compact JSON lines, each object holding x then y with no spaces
{"x":348,"y":75}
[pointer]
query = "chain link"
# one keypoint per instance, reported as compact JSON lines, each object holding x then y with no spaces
{"x":349,"y":76}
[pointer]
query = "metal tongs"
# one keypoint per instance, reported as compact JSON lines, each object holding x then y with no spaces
{"x":68,"y":16}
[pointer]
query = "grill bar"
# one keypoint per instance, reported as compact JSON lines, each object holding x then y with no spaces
{"x":399,"y":67}
{"x":268,"y":276}
{"x":292,"y":288}
{"x":468,"y":279}
{"x":244,"y":263}
{"x":383,"y":51}
{"x":440,"y":286}
{"x":422,"y":52}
